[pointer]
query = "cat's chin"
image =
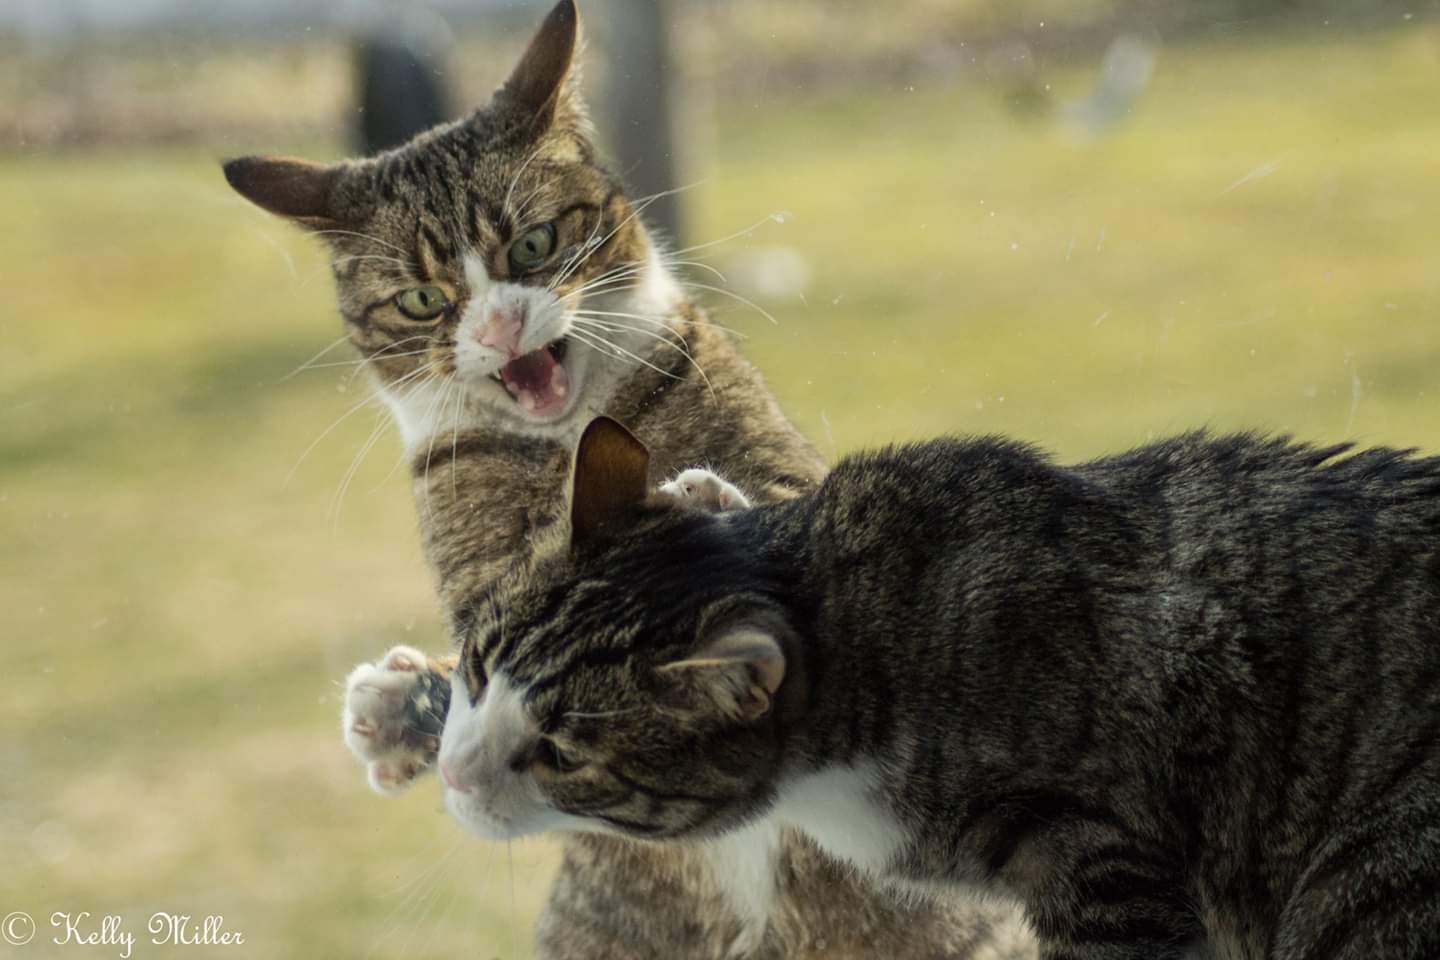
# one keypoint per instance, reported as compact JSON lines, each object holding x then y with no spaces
{"x":466,"y":811}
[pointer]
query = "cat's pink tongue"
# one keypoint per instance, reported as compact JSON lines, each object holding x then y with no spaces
{"x":537,"y":382}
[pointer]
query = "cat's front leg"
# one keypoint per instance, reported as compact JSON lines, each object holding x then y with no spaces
{"x":707,"y":490}
{"x":393,"y":714}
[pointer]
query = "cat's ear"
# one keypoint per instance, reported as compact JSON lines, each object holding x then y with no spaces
{"x":610,"y":480}
{"x":298,"y":189}
{"x":543,"y":89}
{"x":737,"y":673}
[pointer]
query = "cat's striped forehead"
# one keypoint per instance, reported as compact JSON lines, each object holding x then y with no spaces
{"x":546,"y":640}
{"x":567,"y":626}
{"x":455,"y":191}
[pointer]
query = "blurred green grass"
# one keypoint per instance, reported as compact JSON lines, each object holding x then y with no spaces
{"x":1257,"y":247}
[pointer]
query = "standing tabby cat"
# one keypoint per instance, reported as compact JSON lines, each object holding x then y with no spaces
{"x":503,"y":291}
{"x":1182,"y":702}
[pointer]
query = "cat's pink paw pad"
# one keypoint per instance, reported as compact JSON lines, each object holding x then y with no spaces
{"x":392,"y":717}
{"x":404,"y":659}
{"x":706,"y":490}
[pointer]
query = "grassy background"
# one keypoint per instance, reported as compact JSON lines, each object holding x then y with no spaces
{"x":183,"y":583}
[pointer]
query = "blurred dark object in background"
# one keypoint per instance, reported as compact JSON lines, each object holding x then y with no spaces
{"x":636,"y":117}
{"x":400,"y":85}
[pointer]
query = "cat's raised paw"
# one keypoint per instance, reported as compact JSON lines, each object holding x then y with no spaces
{"x":706,"y":490}
{"x":393,"y":714}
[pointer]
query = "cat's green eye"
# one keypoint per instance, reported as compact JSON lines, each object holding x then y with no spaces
{"x":552,"y":755}
{"x":532,"y":249}
{"x":422,"y":303}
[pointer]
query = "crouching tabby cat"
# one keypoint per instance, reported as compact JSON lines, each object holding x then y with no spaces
{"x":1182,"y":702}
{"x":503,"y":291}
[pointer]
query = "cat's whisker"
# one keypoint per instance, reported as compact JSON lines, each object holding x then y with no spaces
{"x":735,"y":296}
{"x":354,"y":258}
{"x":455,"y":439}
{"x":591,"y":246}
{"x":587,"y":318}
{"x":372,"y":398}
{"x":437,"y":405}
{"x":510,"y":190}
{"x":698,"y":264}
{"x":416,"y":890}
{"x":437,"y":924}
{"x":317,"y":356}
{"x":611,"y":283}
{"x":401,"y":457}
{"x":426,"y":895}
{"x":662,"y":321}
{"x":768,"y":218}
{"x":637,"y":207}
{"x":387,"y":417}
{"x":597,"y":329}
{"x":650,"y":198}
{"x":582,"y":253}
{"x":382,"y":353}
{"x":619,"y":352}
{"x":678,"y":344}
{"x":363,"y":360}
{"x":428,"y":856}
{"x":362,"y":236}
{"x":381,"y":422}
{"x":615,"y":279}
{"x":522,"y":209}
{"x":427,"y":920}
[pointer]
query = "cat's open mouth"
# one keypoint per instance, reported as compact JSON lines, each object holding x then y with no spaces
{"x":538,"y":381}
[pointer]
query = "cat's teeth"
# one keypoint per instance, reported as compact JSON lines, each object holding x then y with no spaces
{"x":527,"y":401}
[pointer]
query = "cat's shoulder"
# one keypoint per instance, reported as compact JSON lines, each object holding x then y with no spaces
{"x":947,"y":470}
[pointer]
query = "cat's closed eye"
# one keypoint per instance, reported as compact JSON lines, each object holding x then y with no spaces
{"x":557,"y":758}
{"x":474,"y":672}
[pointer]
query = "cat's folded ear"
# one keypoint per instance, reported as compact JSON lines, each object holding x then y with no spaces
{"x":738,"y":673}
{"x":610,"y":481}
{"x":298,"y":189}
{"x":544,"y":88}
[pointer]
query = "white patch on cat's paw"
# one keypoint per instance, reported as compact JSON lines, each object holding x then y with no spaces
{"x":382,"y":701}
{"x":743,"y":864}
{"x":706,"y":490}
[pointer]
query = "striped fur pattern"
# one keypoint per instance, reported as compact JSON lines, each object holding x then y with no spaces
{"x":1180,"y":702}
{"x":444,"y":213}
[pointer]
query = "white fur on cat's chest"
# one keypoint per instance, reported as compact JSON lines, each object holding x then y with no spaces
{"x":839,"y":810}
{"x":837,"y":807}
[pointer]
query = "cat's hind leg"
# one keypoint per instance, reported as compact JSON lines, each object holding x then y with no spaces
{"x":706,"y":490}
{"x":393,"y":715}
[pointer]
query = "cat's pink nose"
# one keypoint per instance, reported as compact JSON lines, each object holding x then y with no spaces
{"x":502,"y":330}
{"x":450,"y":780}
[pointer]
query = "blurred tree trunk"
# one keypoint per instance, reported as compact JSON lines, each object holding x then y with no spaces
{"x":637,"y":108}
{"x":401,"y":82}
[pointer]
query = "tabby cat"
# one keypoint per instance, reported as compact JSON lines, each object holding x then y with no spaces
{"x":503,"y":290}
{"x":1181,"y":702}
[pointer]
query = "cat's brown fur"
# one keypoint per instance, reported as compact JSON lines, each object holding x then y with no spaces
{"x":486,"y":483}
{"x":1180,"y":702}
{"x":613,"y":899}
